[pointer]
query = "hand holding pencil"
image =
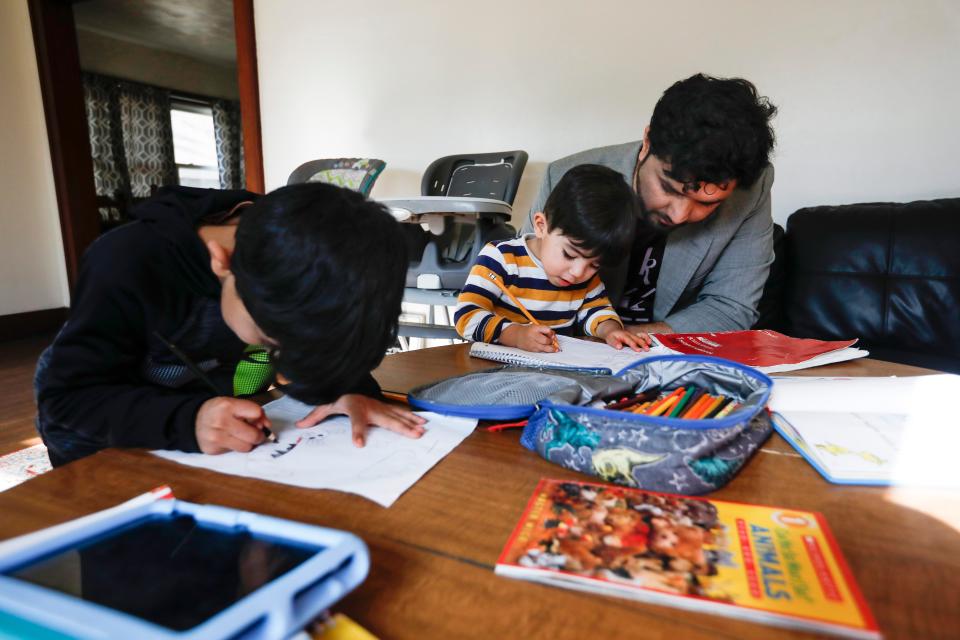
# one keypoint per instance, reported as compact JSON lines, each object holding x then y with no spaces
{"x":529,"y":337}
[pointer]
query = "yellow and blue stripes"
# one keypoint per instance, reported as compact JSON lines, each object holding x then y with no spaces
{"x":483,"y":311}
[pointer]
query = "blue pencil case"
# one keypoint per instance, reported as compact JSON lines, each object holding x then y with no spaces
{"x":156,"y":568}
{"x":656,"y":453}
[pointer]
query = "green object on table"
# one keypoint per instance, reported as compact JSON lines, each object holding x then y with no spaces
{"x":253,"y":371}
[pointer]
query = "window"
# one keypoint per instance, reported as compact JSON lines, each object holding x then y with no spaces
{"x":194,"y":145}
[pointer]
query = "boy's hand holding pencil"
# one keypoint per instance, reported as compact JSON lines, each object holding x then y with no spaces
{"x":231,"y":424}
{"x":527,"y":337}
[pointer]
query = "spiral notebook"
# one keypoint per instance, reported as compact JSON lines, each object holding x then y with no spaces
{"x":574,"y":354}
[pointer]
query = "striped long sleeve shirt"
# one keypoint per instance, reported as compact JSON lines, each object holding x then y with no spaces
{"x":484,"y":311}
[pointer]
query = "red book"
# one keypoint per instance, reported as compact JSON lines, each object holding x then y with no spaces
{"x":767,"y":350}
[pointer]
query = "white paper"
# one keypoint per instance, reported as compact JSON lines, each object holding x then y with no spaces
{"x":573,"y":353}
{"x":324,"y":456}
{"x":902,"y":430}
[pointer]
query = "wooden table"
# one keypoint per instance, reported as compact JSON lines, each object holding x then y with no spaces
{"x":434,"y":551}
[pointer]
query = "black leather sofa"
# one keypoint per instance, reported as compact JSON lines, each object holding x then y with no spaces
{"x":886,"y":273}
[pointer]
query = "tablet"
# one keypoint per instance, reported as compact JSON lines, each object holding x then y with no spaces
{"x":164,"y":568}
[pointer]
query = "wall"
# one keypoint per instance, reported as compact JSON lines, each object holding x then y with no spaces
{"x":869,"y":91}
{"x":32,"y":271}
{"x":114,"y":57}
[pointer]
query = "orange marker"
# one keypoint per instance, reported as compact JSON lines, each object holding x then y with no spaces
{"x":665,"y":406}
{"x":713,"y":406}
{"x":519,"y":305}
{"x":662,"y":401}
{"x":694,"y":411}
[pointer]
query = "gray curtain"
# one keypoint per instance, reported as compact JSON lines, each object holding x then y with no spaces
{"x":227,"y":131}
{"x":106,"y":136}
{"x":130,"y":135}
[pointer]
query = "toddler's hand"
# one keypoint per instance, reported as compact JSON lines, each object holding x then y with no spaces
{"x":620,"y":338}
{"x":365,"y":412}
{"x":530,"y":337}
{"x":230,"y":424}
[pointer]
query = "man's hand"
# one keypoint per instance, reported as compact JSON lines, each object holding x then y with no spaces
{"x":618,"y":337}
{"x":529,"y":337}
{"x":230,"y":424}
{"x":365,"y":412}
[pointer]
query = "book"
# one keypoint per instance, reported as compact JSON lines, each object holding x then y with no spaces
{"x":768,"y":351}
{"x":764,"y":564}
{"x":872,"y":431}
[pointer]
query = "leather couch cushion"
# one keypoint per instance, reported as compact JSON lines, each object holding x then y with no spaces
{"x":886,"y":273}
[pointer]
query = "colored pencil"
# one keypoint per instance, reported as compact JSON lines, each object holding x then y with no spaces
{"x":705,"y":400}
{"x":665,"y":406}
{"x":637,"y":399}
{"x":661,"y":401}
{"x":682,"y":402}
{"x":714,"y":407}
{"x":727,"y":410}
{"x":694,"y":400}
{"x":496,"y":280}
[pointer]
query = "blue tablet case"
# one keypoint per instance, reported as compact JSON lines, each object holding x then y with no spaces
{"x":331,"y":563}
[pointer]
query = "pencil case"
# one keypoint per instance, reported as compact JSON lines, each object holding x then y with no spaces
{"x":636,"y":450}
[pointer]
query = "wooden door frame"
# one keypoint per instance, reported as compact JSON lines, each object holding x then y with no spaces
{"x":58,"y":66}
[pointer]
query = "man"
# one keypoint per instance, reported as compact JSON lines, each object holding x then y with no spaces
{"x":704,"y":240}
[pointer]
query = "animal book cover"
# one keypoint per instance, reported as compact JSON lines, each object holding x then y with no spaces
{"x":769,"y":565}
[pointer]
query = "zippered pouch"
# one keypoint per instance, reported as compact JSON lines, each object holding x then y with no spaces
{"x":656,"y":453}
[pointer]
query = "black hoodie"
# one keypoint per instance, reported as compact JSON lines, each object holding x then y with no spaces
{"x":108,"y":377}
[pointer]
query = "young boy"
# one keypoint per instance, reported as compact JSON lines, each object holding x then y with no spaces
{"x":587,"y":221}
{"x":312,"y":272}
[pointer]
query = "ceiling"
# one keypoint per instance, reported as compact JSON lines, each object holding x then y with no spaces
{"x":201,"y":29}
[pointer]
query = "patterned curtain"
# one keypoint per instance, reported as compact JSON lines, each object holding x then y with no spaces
{"x":106,"y":137}
{"x":130,"y":135}
{"x":227,"y":131}
{"x":147,"y":137}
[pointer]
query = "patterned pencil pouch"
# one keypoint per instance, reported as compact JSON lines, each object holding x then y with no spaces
{"x":656,"y":453}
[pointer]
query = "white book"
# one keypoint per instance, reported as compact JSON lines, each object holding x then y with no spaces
{"x":880,"y":431}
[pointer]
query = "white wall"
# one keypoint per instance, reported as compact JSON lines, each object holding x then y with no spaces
{"x":32,"y":269}
{"x":868,"y":90}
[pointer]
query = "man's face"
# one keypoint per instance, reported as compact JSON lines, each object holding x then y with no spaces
{"x":667,"y":203}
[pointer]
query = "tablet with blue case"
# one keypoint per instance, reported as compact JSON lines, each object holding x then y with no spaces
{"x":164,"y":569}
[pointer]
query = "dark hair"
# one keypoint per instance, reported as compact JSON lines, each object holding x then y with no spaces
{"x":596,"y":208}
{"x":713,"y":130}
{"x":321,"y":271}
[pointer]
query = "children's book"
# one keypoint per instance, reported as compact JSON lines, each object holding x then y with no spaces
{"x":767,"y":351}
{"x":764,"y":564}
{"x":872,"y":431}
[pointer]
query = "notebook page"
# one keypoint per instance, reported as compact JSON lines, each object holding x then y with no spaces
{"x":574,"y":353}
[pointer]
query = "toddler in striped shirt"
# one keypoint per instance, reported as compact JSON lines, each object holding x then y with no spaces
{"x":587,"y":222}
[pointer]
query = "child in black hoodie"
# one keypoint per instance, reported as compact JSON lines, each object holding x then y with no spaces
{"x":312,"y":272}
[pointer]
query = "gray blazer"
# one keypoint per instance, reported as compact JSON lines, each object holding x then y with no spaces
{"x":713,"y":271}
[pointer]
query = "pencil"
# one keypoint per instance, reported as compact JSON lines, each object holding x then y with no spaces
{"x":393,"y":395}
{"x":727,"y":410}
{"x":695,"y":407}
{"x":519,"y":305}
{"x":665,"y":406}
{"x":202,"y":376}
{"x":684,"y":399}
